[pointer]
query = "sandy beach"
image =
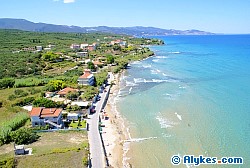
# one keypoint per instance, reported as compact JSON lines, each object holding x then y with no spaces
{"x":113,"y":133}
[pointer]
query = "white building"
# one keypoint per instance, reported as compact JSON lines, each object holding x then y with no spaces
{"x":82,"y":54}
{"x":75,"y":46}
{"x":87,"y":78}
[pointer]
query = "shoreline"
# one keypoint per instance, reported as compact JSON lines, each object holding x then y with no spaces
{"x":114,"y":133}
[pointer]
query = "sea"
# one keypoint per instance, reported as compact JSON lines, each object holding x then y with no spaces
{"x":191,"y":98}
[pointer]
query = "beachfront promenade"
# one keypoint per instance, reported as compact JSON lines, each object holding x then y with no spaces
{"x":97,"y":155}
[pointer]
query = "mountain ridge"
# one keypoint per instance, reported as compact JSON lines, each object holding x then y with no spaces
{"x":23,"y":24}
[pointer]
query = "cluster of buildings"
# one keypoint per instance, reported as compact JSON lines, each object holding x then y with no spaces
{"x":41,"y":116}
{"x":37,"y":48}
{"x":84,"y":47}
{"x":119,"y":42}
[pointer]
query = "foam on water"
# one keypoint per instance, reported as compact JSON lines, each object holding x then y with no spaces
{"x":139,"y":139}
{"x":146,"y":66}
{"x":164,"y":123}
{"x":174,"y":52}
{"x":161,"y":57}
{"x":155,"y":60}
{"x":178,"y":116}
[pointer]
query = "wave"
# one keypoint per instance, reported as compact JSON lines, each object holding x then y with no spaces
{"x":164,"y":74}
{"x":182,"y":87}
{"x":155,"y":60}
{"x":166,"y":135}
{"x":164,"y":123}
{"x":170,"y":96}
{"x":136,"y":63}
{"x":161,"y":57}
{"x":140,"y":80}
{"x":139,"y":139}
{"x":153,"y":72}
{"x":146,"y":66}
{"x":178,"y":116}
{"x":174,"y":52}
{"x":130,"y":89}
{"x":128,"y":83}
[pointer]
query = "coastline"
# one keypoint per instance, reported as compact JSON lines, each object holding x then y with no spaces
{"x":114,"y":132}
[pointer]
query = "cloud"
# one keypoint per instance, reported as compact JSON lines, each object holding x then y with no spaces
{"x":68,"y":1}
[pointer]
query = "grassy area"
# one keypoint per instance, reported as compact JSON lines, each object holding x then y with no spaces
{"x":77,"y":125}
{"x":53,"y":149}
{"x":7,"y":111}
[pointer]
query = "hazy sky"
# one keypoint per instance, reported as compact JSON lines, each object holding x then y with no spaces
{"x":218,"y":16}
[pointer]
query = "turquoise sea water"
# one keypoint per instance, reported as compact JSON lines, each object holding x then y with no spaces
{"x":192,"y":97}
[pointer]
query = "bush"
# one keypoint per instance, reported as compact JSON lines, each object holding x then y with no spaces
{"x":28,"y":82}
{"x":55,"y":85}
{"x":85,"y":161}
{"x":23,"y":136}
{"x":11,"y":97}
{"x":5,"y":128}
{"x":7,"y":82}
{"x":33,"y":91}
{"x":7,"y":162}
{"x":25,"y":101}
{"x":20,"y":93}
{"x":43,"y":102}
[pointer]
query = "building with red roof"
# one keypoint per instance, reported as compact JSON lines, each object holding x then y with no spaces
{"x":87,"y":78}
{"x":41,"y":116}
{"x":65,"y":91}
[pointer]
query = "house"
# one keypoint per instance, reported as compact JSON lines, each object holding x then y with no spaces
{"x":41,"y":116}
{"x":82,"y":54}
{"x":119,"y":42}
{"x":19,"y":149}
{"x":87,"y":78}
{"x":73,"y":116}
{"x":80,"y":104}
{"x":47,"y":49}
{"x":75,"y":46}
{"x":98,"y":64}
{"x":51,"y":46}
{"x":63,"y":92}
{"x":91,"y":48}
{"x":39,"y":48}
{"x":84,"y":47}
{"x":49,"y":94}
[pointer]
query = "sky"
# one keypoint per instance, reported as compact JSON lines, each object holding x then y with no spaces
{"x":217,"y":16}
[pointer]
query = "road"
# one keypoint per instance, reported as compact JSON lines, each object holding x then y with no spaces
{"x":96,"y":150}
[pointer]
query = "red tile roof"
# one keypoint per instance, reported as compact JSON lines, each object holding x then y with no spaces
{"x":86,"y":74}
{"x":66,"y":90}
{"x":45,"y":112}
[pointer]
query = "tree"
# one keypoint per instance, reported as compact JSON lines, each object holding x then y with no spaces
{"x":7,"y":82}
{"x":91,"y":66}
{"x":110,"y":59}
{"x":89,"y":93}
{"x":72,"y":95}
{"x":101,"y":78}
{"x":50,"y":56}
{"x":43,"y":102}
{"x":117,"y":47}
{"x":55,"y":85}
{"x":23,"y":136}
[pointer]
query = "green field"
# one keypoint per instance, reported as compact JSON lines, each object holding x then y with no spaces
{"x":53,"y":149}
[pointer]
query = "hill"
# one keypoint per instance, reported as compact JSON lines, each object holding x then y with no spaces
{"x":22,"y":24}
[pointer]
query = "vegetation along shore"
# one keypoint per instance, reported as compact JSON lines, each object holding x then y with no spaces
{"x":49,"y":85}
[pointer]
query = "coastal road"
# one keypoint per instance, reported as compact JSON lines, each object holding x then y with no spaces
{"x":96,"y":150}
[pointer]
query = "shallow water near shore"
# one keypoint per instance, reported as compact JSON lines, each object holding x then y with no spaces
{"x":192,"y":97}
